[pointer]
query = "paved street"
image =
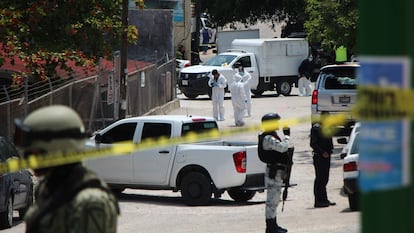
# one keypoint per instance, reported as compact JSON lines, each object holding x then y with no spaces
{"x":163,"y":211}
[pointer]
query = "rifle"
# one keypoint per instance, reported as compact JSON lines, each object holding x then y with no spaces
{"x":286,"y":181}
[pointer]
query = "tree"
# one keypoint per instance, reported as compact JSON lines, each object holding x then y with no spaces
{"x":250,"y":12}
{"x":329,"y":22}
{"x":47,"y":35}
{"x":332,"y":23}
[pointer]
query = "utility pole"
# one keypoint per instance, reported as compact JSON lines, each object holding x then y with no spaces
{"x":195,"y":37}
{"x":124,"y":58}
{"x":386,"y":147}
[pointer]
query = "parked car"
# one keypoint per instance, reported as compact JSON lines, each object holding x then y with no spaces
{"x":350,"y":167}
{"x":180,"y":64}
{"x":336,"y":92}
{"x":16,"y":188}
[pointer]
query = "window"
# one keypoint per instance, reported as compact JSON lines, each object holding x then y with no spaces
{"x":123,"y":132}
{"x":198,"y":127}
{"x":156,"y":130}
{"x":245,"y":61}
{"x":340,"y":78}
{"x":340,"y":82}
{"x":7,"y":150}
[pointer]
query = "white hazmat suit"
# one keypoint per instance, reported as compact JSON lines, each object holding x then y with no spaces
{"x":238,"y":99}
{"x":245,"y":78}
{"x":217,"y":83}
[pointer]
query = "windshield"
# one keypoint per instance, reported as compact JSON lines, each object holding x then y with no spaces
{"x":220,"y":60}
{"x":198,"y":127}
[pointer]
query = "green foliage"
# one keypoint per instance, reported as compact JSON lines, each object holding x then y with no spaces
{"x":249,"y":12}
{"x":47,"y":34}
{"x":330,"y":22}
{"x":333,"y":23}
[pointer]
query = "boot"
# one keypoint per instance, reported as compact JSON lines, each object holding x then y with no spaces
{"x":272,"y":227}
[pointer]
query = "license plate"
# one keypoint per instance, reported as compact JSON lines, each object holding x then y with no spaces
{"x":184,"y":82}
{"x":344,"y":99}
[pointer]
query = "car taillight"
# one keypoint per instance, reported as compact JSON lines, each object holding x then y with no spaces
{"x":187,"y":65}
{"x":349,"y":167}
{"x":239,"y":159}
{"x":315,"y":97}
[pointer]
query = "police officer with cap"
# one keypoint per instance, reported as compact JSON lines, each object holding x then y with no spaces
{"x":272,"y":150}
{"x":68,"y":198}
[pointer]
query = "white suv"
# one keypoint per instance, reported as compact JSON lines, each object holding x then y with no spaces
{"x":336,"y":92}
{"x":350,"y":166}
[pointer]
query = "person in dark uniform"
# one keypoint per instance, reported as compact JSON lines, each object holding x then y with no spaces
{"x":272,"y":150}
{"x":322,"y":150}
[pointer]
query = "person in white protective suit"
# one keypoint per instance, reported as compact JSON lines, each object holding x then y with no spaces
{"x":217,"y":82}
{"x":238,"y":99}
{"x":305,"y":73}
{"x":245,"y":78}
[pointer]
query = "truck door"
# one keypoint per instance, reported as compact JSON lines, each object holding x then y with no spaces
{"x":152,"y":166}
{"x":249,"y":64}
{"x":115,"y":169}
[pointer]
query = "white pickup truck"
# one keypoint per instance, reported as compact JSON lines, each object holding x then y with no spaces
{"x":198,"y":169}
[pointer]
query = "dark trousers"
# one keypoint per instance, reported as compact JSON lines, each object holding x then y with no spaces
{"x":322,"y":166}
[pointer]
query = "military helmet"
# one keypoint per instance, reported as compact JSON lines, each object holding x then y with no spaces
{"x":50,"y":129}
{"x":270,"y":118}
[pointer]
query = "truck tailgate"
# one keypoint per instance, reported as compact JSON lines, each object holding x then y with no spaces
{"x":216,"y":159}
{"x":254,"y":165}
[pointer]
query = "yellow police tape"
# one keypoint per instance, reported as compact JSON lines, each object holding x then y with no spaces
{"x":123,"y":148}
{"x":374,"y":103}
{"x":385,"y":103}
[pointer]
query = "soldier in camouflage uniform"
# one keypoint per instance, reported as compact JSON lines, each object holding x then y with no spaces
{"x":272,"y":150}
{"x":69,"y":198}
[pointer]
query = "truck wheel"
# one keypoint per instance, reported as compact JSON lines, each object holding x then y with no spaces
{"x":284,"y":88}
{"x":210,"y":92}
{"x":190,"y":96}
{"x":241,"y":195}
{"x":6,"y":217}
{"x":196,"y":189}
{"x":257,"y":92}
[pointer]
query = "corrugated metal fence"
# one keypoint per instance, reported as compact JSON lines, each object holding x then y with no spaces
{"x":148,"y":88}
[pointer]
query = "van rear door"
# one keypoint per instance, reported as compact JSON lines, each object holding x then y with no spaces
{"x":337,"y":89}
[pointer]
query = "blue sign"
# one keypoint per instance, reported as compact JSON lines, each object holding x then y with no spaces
{"x":384,"y":155}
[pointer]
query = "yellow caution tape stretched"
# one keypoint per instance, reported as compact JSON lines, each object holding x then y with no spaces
{"x":385,"y":103}
{"x":61,"y":158}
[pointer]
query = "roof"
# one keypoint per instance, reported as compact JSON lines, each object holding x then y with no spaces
{"x":346,"y":64}
{"x":79,"y":72}
{"x":180,"y":118}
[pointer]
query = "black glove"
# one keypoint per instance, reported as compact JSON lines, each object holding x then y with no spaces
{"x":286,"y":131}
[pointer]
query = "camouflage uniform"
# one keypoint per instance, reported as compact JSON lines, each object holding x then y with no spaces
{"x":274,"y":189}
{"x":272,"y":146}
{"x":72,"y":199}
